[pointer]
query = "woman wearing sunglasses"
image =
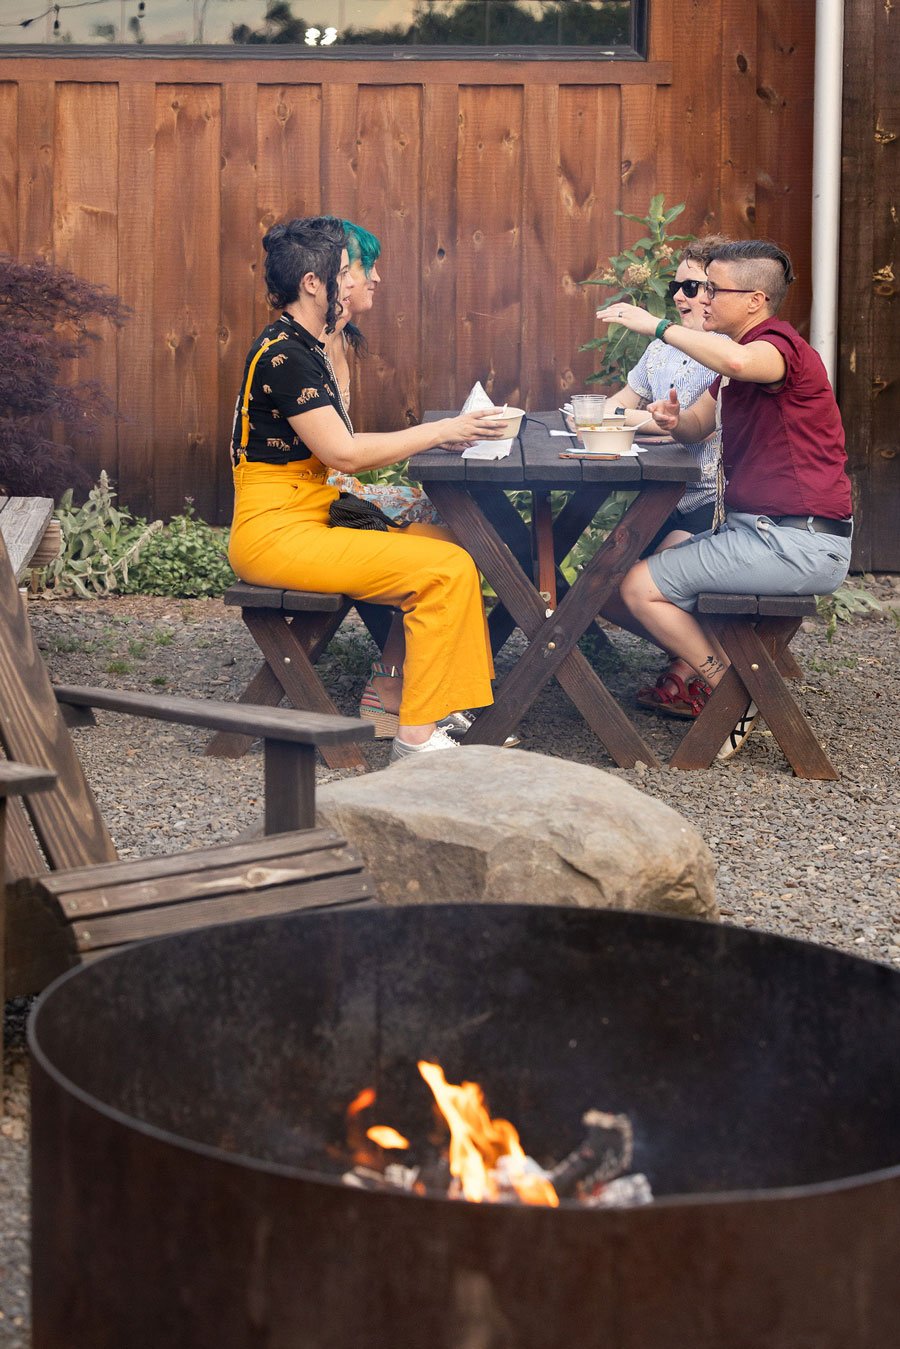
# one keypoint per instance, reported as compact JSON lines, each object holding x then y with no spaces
{"x":677,"y":692}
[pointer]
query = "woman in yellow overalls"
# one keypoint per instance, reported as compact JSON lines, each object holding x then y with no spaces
{"x":290,"y":429}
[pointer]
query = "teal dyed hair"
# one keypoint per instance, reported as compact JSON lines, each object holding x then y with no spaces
{"x":361,"y":246}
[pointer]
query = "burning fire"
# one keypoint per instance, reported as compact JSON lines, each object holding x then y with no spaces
{"x":484,"y":1150}
{"x":386,"y":1137}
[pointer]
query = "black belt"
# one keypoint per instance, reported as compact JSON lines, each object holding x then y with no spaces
{"x":818,"y":523}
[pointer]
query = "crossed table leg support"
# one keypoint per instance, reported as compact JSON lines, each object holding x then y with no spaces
{"x":552,"y":649}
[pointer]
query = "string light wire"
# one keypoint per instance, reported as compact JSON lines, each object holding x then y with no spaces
{"x":56,"y":9}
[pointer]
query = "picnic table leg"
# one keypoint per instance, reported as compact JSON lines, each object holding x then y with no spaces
{"x":266,"y":689}
{"x":553,"y":641}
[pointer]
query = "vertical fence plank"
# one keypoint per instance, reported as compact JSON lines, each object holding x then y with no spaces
{"x":440,"y":120}
{"x":540,"y":259}
{"x":136,"y":439}
{"x":339,"y":150}
{"x":289,"y":181}
{"x":37,"y":103}
{"x":489,"y":239}
{"x":688,"y":116}
{"x":640,"y":149}
{"x":885,"y":284}
{"x":85,"y":228}
{"x":186,"y":296}
{"x":389,"y":173}
{"x":784,"y":129}
{"x":240,"y":267}
{"x":587,"y":228}
{"x":9,"y":168}
{"x":740,"y":38}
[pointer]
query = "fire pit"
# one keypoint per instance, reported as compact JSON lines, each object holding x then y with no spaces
{"x":190,"y":1107}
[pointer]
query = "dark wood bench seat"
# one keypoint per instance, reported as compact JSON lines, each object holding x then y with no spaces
{"x":755,"y":631}
{"x":292,"y":628}
{"x":89,"y":910}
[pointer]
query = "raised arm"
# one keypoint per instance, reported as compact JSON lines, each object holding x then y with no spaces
{"x":755,"y":363}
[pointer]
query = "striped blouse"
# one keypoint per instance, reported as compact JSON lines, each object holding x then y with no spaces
{"x":659,"y":368}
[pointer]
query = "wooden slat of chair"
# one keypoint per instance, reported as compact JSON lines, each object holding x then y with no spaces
{"x":23,"y":522}
{"x":200,"y":873}
{"x":142,"y":923}
{"x":66,"y":820}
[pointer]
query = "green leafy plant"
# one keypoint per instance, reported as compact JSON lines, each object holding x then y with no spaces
{"x":100,"y":542}
{"x":188,"y":559}
{"x":639,"y":274}
{"x":850,"y":601}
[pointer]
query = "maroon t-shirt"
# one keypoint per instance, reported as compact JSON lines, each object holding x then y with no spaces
{"x":783,"y":445}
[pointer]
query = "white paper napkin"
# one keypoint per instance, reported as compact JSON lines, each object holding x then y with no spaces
{"x":483,"y":449}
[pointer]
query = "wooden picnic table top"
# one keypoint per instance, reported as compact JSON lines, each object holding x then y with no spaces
{"x":23,"y":522}
{"x":534,"y":462}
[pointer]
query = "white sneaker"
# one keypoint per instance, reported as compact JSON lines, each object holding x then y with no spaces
{"x":737,"y":737}
{"x":457,"y":723}
{"x":437,"y":740}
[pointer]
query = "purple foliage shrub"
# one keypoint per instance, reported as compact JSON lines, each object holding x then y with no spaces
{"x":45,"y":314}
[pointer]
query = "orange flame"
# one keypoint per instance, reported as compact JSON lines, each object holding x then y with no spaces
{"x":386,"y":1137}
{"x":477,"y":1142}
{"x":362,"y":1102}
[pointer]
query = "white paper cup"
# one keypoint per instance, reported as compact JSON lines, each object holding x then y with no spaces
{"x":509,"y":421}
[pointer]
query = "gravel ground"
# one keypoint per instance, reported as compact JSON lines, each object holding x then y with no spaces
{"x":808,"y":859}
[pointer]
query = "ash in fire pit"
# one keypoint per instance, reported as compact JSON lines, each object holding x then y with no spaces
{"x":189,"y":1137}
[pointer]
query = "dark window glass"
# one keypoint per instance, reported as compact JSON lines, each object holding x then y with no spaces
{"x":607,"y":25}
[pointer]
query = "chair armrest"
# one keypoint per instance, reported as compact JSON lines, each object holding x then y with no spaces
{"x":17,"y":779}
{"x":268,"y":723}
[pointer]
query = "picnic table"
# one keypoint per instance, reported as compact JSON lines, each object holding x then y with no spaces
{"x":23,"y":522}
{"x":522,"y":566}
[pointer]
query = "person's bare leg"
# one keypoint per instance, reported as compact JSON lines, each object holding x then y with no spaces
{"x":616,"y":611}
{"x":390,"y":687}
{"x":672,"y":628}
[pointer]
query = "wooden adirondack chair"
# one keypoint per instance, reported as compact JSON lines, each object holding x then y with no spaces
{"x":68,"y":897}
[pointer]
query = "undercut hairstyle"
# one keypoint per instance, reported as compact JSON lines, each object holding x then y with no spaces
{"x":757,"y":264}
{"x":296,"y":247}
{"x":700,"y":250}
{"x":362,"y":246}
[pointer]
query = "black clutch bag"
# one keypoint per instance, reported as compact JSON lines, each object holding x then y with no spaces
{"x":350,"y":512}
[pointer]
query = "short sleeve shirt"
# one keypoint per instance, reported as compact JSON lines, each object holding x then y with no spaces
{"x":783,"y":444}
{"x":291,"y":376}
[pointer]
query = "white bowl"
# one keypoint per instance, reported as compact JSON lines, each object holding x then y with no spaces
{"x":611,"y":440}
{"x":509,"y":421}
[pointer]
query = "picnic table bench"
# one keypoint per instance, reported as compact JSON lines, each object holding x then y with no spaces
{"x":754,"y":631}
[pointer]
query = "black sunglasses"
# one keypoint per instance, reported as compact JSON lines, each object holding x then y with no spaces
{"x":690,"y":288}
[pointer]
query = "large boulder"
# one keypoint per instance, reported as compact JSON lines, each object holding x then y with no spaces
{"x":501,"y":826}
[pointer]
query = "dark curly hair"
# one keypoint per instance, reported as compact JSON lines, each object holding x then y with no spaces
{"x":296,"y":247}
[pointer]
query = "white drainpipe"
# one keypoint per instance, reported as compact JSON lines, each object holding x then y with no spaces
{"x":826,"y":195}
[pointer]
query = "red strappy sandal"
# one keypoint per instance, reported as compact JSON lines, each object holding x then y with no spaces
{"x":672,"y":697}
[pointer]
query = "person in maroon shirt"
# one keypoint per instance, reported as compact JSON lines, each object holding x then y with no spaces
{"x":784,"y":495}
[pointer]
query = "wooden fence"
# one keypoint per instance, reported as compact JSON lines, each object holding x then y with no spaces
{"x":492,"y":185}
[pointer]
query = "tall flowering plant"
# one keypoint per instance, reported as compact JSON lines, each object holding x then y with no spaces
{"x":640,"y":274}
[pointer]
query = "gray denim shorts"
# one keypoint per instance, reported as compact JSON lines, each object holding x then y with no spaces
{"x":751,"y":555}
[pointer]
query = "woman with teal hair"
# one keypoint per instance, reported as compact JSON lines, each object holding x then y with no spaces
{"x":403,"y":503}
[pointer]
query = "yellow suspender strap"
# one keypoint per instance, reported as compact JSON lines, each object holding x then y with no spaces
{"x":245,"y":405}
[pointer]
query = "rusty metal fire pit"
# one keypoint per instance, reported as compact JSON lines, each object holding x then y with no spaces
{"x":185,"y":1090}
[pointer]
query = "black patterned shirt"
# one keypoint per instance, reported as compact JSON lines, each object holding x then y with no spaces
{"x":291,"y":376}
